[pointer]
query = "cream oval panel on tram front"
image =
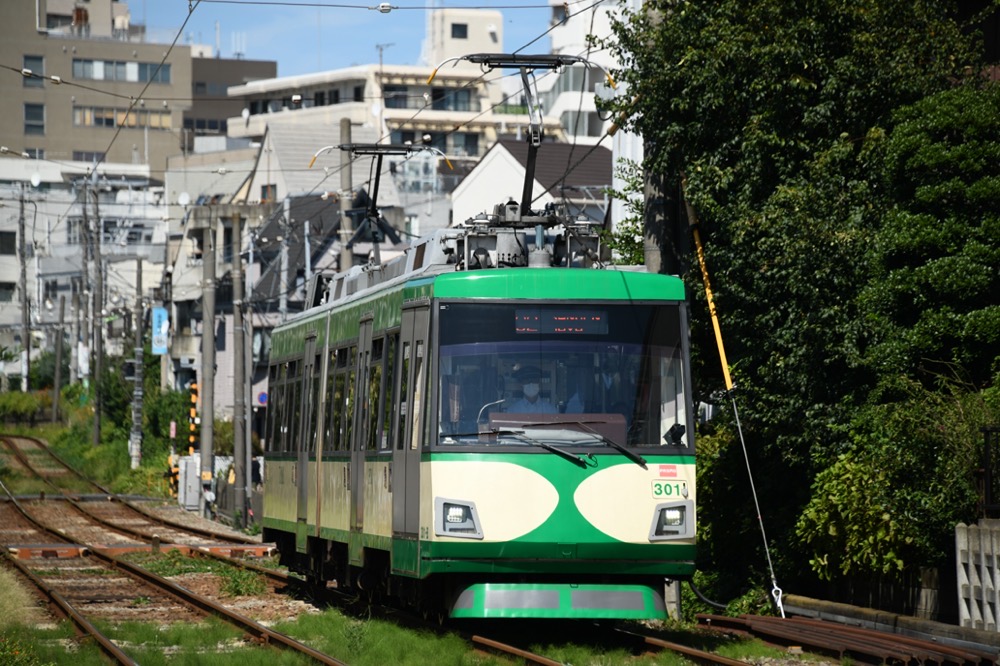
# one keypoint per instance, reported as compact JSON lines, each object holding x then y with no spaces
{"x":511,"y":500}
{"x":619,"y":501}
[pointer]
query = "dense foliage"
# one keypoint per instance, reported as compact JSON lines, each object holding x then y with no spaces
{"x":842,"y":159}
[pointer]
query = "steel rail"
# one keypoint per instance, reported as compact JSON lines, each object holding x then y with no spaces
{"x":700,"y":656}
{"x":69,"y":495}
{"x":83,"y":625}
{"x":517,"y":652}
{"x":845,"y":640}
{"x":189,"y":598}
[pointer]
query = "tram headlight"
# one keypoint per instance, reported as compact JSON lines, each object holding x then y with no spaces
{"x":456,"y":518}
{"x":672,"y":520}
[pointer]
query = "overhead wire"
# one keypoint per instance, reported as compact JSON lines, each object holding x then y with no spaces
{"x":328,"y":172}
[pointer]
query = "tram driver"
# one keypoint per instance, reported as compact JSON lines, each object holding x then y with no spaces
{"x":531,"y":400}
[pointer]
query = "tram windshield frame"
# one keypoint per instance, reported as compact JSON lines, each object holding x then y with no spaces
{"x":604,"y":372}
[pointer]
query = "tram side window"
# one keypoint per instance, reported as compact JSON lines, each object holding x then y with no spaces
{"x":329,"y":434}
{"x":281,"y":416}
{"x":418,"y":395}
{"x":428,"y":390}
{"x":294,"y":409}
{"x":364,"y":404}
{"x":337,"y":409}
{"x":375,"y":393}
{"x":314,"y":404}
{"x":337,"y":412}
{"x":272,"y":382}
{"x":352,"y":376}
{"x":388,"y":393}
{"x":404,"y":375}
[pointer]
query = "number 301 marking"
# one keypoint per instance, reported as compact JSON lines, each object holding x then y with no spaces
{"x":669,"y":489}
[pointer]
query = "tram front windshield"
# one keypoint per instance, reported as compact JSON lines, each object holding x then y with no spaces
{"x":573,"y":374}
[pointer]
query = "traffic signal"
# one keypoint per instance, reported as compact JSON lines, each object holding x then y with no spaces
{"x":193,"y":420}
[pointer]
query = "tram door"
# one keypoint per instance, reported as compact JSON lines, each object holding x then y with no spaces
{"x":409,"y":430}
{"x":306,"y":443}
{"x":363,"y":407}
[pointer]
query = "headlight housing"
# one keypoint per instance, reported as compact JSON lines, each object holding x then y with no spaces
{"x":672,"y":520}
{"x":456,"y":518}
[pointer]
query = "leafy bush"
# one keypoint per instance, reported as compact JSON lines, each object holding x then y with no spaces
{"x":891,"y":502}
{"x":21,"y":407}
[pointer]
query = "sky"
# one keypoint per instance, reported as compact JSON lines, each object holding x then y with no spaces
{"x":306,"y":36}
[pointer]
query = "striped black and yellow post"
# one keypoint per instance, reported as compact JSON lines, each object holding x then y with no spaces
{"x":193,"y":420}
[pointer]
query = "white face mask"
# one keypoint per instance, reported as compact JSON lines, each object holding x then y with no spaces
{"x":530,"y":391}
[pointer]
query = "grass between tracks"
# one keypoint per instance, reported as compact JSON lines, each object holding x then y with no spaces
{"x":359,"y":642}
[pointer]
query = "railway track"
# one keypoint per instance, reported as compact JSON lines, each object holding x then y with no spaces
{"x":86,"y":580}
{"x":638,"y":643}
{"x":846,"y":642}
{"x":68,"y":541}
{"x":41,"y":462}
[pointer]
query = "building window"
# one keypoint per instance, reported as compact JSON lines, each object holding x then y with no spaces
{"x":227,"y":243}
{"x":359,"y":93}
{"x":34,"y":119}
{"x":334,"y":97}
{"x":200,"y":88}
{"x":7,"y":292}
{"x":51,"y":289}
{"x":459,"y":30}
{"x":461,"y":100}
{"x":395,"y":96}
{"x":35,"y":153}
{"x":8,"y":242}
{"x":465,"y":143}
{"x":402,"y":136}
{"x":119,"y":70}
{"x":267,"y":192}
{"x":37,"y":66}
{"x":74,"y":230}
{"x":319,"y":99}
{"x":87,"y":156}
{"x":98,"y":116}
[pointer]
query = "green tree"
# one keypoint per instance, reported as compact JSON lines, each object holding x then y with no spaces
{"x":932,"y":302}
{"x":776,"y":116}
{"x":929,"y":331}
{"x":43,"y":369}
{"x":892,"y":500}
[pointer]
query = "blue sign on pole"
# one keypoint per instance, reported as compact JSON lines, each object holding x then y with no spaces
{"x":161,"y":331}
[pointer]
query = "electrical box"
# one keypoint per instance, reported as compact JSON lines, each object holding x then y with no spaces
{"x":189,"y":484}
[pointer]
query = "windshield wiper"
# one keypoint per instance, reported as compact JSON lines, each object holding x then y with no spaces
{"x":631,"y":455}
{"x":520,"y":434}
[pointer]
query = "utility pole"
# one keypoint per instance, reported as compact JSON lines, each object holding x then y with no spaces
{"x":74,"y":336}
{"x":25,"y":328}
{"x":283,"y":283}
{"x":248,"y":366}
{"x":98,"y":321}
{"x":59,"y":354}
{"x":308,"y":252}
{"x":346,"y":197}
{"x":207,"y":385}
{"x":135,"y":437}
{"x":240,"y":444}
